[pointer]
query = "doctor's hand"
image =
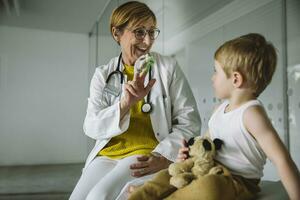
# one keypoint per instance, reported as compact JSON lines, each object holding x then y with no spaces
{"x":146,"y":165}
{"x":135,"y":89}
{"x":134,"y":92}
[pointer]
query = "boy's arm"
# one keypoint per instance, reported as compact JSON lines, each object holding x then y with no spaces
{"x":257,"y":123}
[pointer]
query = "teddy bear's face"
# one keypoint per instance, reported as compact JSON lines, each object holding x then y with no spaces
{"x":203,"y":147}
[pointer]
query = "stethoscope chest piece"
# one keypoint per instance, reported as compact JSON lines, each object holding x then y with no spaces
{"x":146,"y":108}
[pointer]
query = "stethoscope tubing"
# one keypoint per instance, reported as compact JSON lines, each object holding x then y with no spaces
{"x":117,"y":71}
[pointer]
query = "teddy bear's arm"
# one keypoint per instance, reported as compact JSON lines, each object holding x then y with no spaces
{"x":181,"y":167}
{"x":219,"y":170}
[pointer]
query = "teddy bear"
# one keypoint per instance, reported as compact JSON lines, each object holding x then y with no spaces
{"x":202,"y":151}
{"x":178,"y":176}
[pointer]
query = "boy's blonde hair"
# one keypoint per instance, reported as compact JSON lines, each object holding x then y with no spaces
{"x":130,"y":14}
{"x":252,"y":56}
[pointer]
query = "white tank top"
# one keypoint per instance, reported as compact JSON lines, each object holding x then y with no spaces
{"x":240,"y":153}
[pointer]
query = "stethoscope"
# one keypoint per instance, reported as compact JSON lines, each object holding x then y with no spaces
{"x":146,"y":107}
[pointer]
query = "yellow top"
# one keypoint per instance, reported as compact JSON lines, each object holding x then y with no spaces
{"x":138,"y":139}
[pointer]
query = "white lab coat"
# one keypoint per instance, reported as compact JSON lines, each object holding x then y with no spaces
{"x":174,"y":113}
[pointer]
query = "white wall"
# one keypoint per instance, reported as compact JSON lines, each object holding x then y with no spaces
{"x":107,"y":50}
{"x":293,"y":59}
{"x":43,"y":91}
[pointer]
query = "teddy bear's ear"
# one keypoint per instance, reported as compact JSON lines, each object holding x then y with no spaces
{"x":206,"y":144}
{"x":218,"y":143}
{"x":191,"y":141}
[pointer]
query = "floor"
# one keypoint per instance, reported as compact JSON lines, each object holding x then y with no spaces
{"x":45,"y":182}
{"x":271,"y":190}
{"x":56,"y":182}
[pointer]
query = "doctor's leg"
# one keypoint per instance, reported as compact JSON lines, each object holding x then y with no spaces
{"x":109,"y":187}
{"x":98,"y":168}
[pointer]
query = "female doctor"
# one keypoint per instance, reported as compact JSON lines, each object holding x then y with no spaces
{"x":138,"y":118}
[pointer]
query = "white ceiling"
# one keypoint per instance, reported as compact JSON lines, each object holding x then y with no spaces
{"x":79,"y":16}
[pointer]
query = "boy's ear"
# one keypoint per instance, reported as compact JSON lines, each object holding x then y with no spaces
{"x":237,"y":79}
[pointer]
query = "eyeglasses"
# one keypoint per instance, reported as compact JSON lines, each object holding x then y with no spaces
{"x":140,"y":33}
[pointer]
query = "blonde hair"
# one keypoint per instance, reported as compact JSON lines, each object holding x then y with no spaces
{"x":252,"y":56}
{"x":130,"y":14}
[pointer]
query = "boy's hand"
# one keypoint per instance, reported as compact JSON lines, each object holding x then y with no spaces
{"x":183,"y":152}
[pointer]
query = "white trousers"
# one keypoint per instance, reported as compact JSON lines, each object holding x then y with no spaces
{"x":103,"y":179}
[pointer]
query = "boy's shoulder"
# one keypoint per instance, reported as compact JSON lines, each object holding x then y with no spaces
{"x":254,"y":107}
{"x":255,"y":118}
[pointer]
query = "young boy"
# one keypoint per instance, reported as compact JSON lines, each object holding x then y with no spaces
{"x":243,"y":68}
